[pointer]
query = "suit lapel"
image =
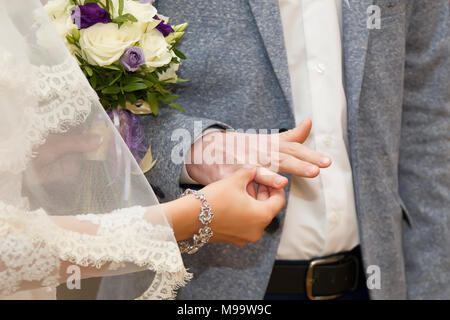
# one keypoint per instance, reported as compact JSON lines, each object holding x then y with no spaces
{"x":356,"y":36}
{"x":268,"y":19}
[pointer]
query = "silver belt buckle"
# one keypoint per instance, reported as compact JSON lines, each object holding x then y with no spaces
{"x":310,"y":277}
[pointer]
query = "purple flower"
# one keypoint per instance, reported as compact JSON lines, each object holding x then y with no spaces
{"x":165,"y":29}
{"x":133,"y":58}
{"x":89,"y":14}
{"x":131,"y":130}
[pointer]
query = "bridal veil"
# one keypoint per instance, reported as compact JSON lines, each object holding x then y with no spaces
{"x":59,"y":206}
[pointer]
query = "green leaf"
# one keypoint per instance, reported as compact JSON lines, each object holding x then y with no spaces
{"x":122,"y":100}
{"x":131,"y":97}
{"x":88,"y":70}
{"x":169,"y":99}
{"x":148,"y":83}
{"x":152,"y":100}
{"x":124,"y":18}
{"x":151,"y":77}
{"x":130,"y":79}
{"x":93,"y":81}
{"x":162,"y":91}
{"x":112,"y":67}
{"x":179,"y":54}
{"x":79,"y":58}
{"x":110,"y":6}
{"x":111,"y":90}
{"x":121,"y":7}
{"x":176,"y":106}
{"x":76,"y":34}
{"x":135,"y":87}
{"x":180,"y":27}
{"x":70,"y":39}
{"x":115,"y":79}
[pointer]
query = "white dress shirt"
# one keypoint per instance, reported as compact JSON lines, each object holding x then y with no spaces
{"x":321,"y":216}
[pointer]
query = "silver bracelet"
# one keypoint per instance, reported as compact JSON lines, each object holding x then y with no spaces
{"x":205,"y":233}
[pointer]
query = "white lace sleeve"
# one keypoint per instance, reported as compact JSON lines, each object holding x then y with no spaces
{"x":35,"y":249}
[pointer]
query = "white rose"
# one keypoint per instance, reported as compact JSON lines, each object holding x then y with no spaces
{"x":104,"y":44}
{"x":156,"y":49}
{"x":58,"y":8}
{"x":143,"y":12}
{"x":170,"y":75}
{"x":60,"y":12}
{"x":64,"y":26}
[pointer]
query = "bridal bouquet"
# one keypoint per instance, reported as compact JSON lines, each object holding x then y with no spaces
{"x":127,"y":52}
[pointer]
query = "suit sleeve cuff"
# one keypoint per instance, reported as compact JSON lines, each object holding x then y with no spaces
{"x":184,"y":176}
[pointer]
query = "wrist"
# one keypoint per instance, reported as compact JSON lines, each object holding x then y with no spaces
{"x":205,"y":158}
{"x":183,"y":214}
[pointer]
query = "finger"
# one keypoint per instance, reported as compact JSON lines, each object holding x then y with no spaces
{"x":269,"y":178}
{"x":60,"y":145}
{"x":299,"y":133}
{"x":276,"y":200}
{"x":81,"y":143}
{"x":263,"y":193}
{"x":296,"y":167}
{"x":65,"y":169}
{"x":304,"y":153}
{"x":251,"y":190}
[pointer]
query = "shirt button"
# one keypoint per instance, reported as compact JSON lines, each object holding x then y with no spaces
{"x":320,"y":68}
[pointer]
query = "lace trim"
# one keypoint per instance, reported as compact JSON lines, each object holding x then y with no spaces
{"x":54,"y":98}
{"x":25,"y":256}
{"x":156,"y":250}
{"x":33,"y":247}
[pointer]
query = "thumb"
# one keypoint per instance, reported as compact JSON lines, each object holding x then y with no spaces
{"x":299,"y":133}
{"x":245,"y":175}
{"x":85,"y":143}
{"x":276,"y":200}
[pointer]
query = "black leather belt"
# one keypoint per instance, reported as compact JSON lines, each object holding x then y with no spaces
{"x":318,"y":279}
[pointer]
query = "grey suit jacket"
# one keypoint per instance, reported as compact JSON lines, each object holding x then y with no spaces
{"x":397,"y":87}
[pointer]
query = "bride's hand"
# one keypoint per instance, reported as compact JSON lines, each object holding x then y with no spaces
{"x":239,"y":217}
{"x":60,"y":156}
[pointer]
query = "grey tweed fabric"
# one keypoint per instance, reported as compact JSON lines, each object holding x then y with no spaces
{"x":397,"y":86}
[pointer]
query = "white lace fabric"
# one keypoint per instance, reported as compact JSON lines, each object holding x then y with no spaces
{"x":43,"y":94}
{"x":64,"y":101}
{"x":33,"y":247}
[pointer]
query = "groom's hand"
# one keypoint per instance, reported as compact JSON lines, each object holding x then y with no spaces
{"x":213,"y":157}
